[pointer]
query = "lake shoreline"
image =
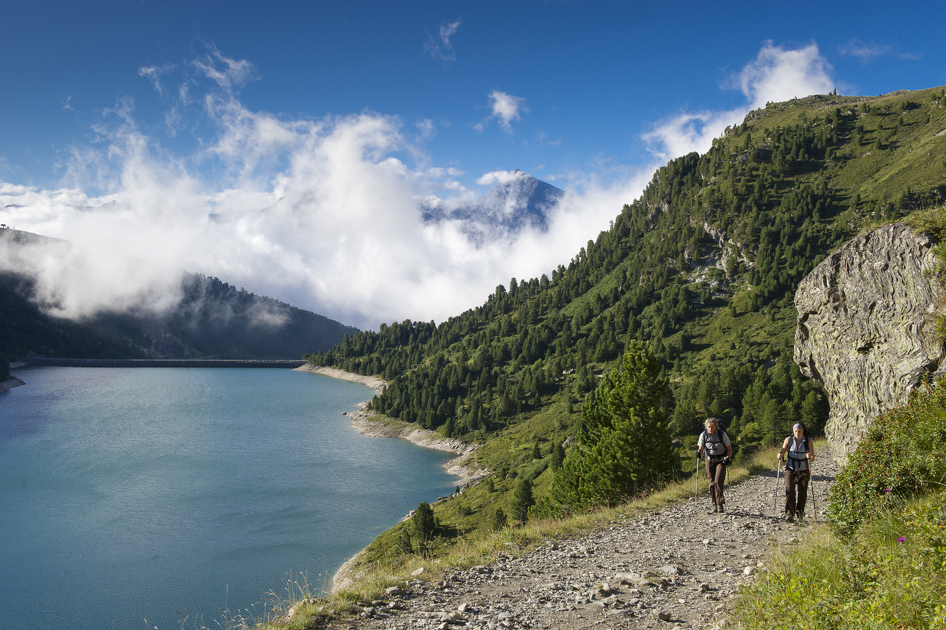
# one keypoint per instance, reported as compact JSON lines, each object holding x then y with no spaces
{"x":8,"y":384}
{"x":372,"y":424}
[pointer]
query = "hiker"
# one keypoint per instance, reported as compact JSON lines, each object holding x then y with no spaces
{"x":801,"y":453}
{"x":718,"y":450}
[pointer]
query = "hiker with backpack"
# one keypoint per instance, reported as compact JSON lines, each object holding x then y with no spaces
{"x":801,"y":453}
{"x":715,"y":444}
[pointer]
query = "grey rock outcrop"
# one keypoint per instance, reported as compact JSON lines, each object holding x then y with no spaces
{"x":866,"y":329}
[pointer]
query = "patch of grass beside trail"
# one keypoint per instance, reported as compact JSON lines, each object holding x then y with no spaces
{"x":309,"y":612}
{"x":892,"y":575}
{"x":883,"y":562}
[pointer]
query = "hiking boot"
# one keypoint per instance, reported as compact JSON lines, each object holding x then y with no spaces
{"x":801,"y":516}
{"x":714,"y":510}
{"x":789,"y":518}
{"x":722,"y":508}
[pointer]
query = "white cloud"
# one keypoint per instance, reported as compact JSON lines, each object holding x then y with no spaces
{"x":780,"y":74}
{"x":500,"y":177}
{"x":426,"y":128}
{"x":506,"y":108}
{"x":154,"y":74}
{"x":228,"y":73}
{"x":441,"y":47}
{"x":77,"y":282}
{"x":686,"y":132}
{"x":865,"y":52}
{"x":322,"y":214}
{"x":776,"y":74}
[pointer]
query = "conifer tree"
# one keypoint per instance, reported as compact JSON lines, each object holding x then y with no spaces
{"x":423,"y":525}
{"x":624,"y":441}
{"x":558,"y":457}
{"x":522,"y":500}
{"x":499,"y":519}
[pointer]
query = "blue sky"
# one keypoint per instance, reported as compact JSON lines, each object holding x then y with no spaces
{"x":282,"y":146}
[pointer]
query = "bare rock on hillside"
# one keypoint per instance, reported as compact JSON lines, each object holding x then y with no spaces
{"x":865,"y":327}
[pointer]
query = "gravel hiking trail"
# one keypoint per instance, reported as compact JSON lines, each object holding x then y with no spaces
{"x":677,"y":567}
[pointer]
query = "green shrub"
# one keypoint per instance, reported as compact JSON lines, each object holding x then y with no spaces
{"x":903,"y":455}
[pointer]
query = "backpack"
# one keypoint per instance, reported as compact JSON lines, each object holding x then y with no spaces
{"x":806,"y":444}
{"x":718,"y":452}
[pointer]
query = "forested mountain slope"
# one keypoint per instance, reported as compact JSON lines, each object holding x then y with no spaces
{"x":212,"y":319}
{"x":703,"y":267}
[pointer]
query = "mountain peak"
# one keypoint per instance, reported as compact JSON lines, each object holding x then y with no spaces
{"x":518,"y":201}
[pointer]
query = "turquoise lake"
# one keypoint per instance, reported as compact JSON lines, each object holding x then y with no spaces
{"x":181,"y":497}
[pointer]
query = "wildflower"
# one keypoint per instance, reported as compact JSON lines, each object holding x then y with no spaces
{"x":901,"y":539}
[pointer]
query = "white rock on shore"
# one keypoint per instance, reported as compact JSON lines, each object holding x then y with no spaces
{"x":10,"y":383}
{"x":373,"y":382}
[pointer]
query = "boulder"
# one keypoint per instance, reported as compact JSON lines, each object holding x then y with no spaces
{"x":866,"y":329}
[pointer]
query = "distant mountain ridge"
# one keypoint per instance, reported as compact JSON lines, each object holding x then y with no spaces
{"x":212,"y":319}
{"x":521,"y":202}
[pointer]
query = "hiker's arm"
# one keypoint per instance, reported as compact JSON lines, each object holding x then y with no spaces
{"x":784,"y":448}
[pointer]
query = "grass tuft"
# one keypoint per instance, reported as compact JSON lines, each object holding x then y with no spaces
{"x":892,"y":575}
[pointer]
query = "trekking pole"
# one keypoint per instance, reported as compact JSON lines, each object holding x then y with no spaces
{"x":696,"y":485}
{"x":778,"y":473}
{"x":814,"y":495}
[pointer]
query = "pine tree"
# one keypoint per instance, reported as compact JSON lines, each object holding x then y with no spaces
{"x":624,"y":438}
{"x":499,"y":519}
{"x":558,"y":457}
{"x":423,"y":525}
{"x":522,"y":500}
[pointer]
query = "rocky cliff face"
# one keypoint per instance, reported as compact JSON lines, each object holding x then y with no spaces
{"x":866,"y":329}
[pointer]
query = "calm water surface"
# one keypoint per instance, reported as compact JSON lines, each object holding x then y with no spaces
{"x":143,"y":498}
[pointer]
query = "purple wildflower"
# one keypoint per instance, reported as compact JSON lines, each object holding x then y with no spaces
{"x":901,"y":539}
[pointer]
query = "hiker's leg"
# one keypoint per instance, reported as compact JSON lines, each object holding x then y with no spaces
{"x":720,"y":482}
{"x":803,"y":478}
{"x":712,"y":480}
{"x":789,"y":492}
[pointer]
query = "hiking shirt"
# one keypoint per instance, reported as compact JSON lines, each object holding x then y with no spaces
{"x":797,"y":454}
{"x":714,"y":445}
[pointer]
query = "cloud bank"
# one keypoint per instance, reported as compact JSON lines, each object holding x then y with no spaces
{"x":322,"y":213}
